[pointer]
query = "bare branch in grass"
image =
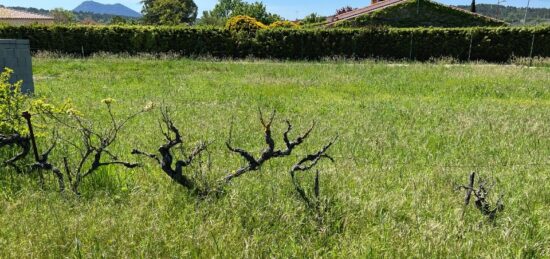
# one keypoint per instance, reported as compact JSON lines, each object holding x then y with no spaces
{"x":42,"y":164}
{"x":306,"y":164}
{"x":253,"y":163}
{"x":175,"y":168}
{"x":172,"y":167}
{"x":481,"y":194}
{"x":22,"y":142}
{"x":93,"y":148}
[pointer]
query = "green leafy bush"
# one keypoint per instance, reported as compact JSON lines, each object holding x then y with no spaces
{"x":244,"y":23}
{"x":498,"y":44}
{"x":12,"y":104}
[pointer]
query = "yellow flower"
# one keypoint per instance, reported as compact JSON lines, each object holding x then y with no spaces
{"x":149,"y":106}
{"x":108,"y":101}
{"x":73,"y":112}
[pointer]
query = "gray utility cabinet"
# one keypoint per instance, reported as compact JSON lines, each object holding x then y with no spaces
{"x":16,"y":54}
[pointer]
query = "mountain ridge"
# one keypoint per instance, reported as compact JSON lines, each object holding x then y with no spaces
{"x":111,"y":9}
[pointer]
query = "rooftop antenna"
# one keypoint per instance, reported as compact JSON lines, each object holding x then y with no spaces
{"x":526,"y":10}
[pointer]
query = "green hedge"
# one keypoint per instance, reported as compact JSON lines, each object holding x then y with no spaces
{"x":491,"y":44}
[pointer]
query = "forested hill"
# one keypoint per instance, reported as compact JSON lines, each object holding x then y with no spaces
{"x":513,"y":15}
{"x":112,"y":9}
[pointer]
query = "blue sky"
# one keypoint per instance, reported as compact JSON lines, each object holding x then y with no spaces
{"x":289,"y":9}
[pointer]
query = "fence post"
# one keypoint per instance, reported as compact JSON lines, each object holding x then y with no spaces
{"x":411,"y":50}
{"x":301,"y":46}
{"x":471,"y":43}
{"x":531,"y":51}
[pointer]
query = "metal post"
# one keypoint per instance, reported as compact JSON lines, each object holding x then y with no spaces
{"x":411,"y":50}
{"x":471,"y":43}
{"x":499,"y":2}
{"x":531,"y":52}
{"x":526,"y":10}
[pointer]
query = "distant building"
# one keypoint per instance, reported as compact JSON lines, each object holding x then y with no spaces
{"x":410,"y":13}
{"x":17,"y":18}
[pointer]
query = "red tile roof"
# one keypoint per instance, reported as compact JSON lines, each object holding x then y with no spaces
{"x":10,"y":14}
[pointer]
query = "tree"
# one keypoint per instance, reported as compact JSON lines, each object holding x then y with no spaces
{"x":169,"y":12}
{"x":256,"y":10}
{"x":118,"y":20}
{"x":220,"y":14}
{"x":313,"y":18}
{"x":226,"y":9}
{"x":63,"y":16}
{"x":208,"y":19}
{"x":473,"y":6}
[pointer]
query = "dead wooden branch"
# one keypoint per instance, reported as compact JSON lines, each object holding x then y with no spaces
{"x":175,"y":168}
{"x":306,"y":164}
{"x":93,"y":148}
{"x":22,"y":142}
{"x":42,"y":164}
{"x":269,"y":152}
{"x":481,"y":194}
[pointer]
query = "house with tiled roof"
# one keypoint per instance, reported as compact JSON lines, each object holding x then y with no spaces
{"x":410,"y":13}
{"x":16,"y":17}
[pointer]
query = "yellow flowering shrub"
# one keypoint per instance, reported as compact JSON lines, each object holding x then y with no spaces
{"x":284,"y":24}
{"x":244,"y":23}
{"x":12,"y":104}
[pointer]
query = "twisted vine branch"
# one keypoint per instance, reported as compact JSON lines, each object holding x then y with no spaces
{"x":175,"y":168}
{"x":306,"y":164}
{"x":93,"y":147}
{"x":481,"y":195}
{"x":23,"y":142}
{"x":269,"y":152}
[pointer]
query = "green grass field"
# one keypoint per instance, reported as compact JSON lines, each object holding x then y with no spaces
{"x":409,"y":133}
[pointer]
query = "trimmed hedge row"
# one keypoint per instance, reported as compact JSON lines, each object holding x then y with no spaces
{"x":491,"y":44}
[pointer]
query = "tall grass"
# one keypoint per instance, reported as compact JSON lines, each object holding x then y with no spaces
{"x":408,"y":134}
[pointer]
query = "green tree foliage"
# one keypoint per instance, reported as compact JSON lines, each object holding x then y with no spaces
{"x":63,"y":16}
{"x":169,"y":12}
{"x":118,"y":20}
{"x":258,"y":11}
{"x":226,"y":9}
{"x":210,"y":20}
{"x":313,"y":18}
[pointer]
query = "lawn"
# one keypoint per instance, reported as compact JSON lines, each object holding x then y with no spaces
{"x":409,"y":134}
